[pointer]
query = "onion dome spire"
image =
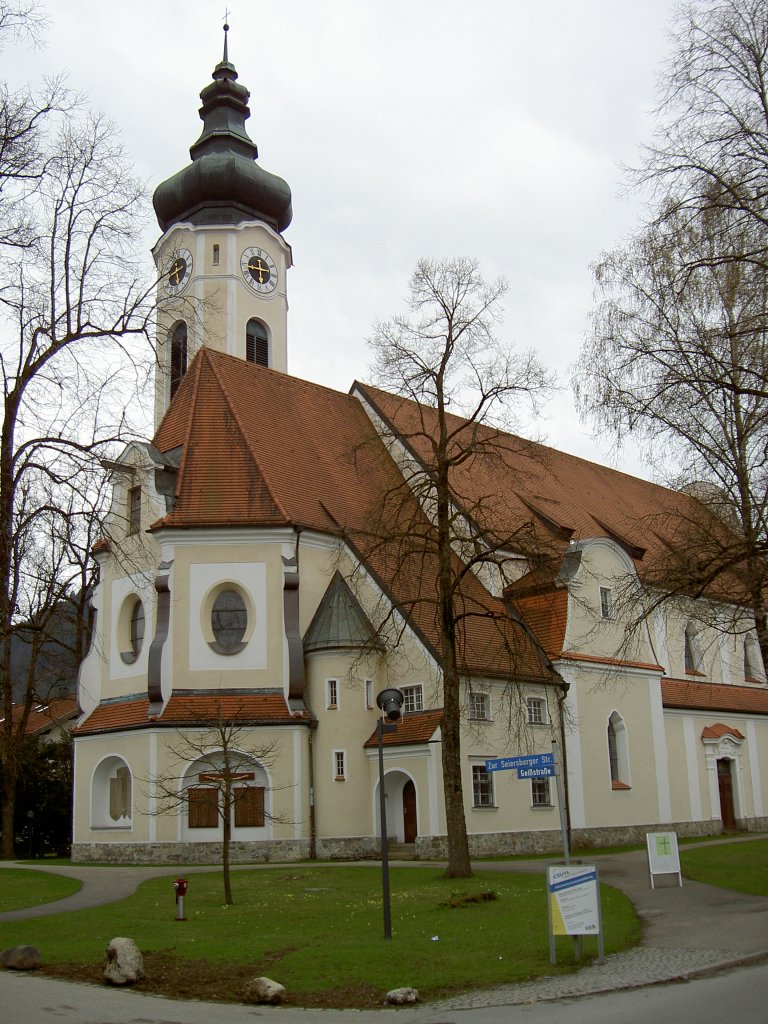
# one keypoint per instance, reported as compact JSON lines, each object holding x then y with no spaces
{"x":224,"y":184}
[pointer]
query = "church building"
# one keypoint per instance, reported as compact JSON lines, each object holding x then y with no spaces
{"x":245,"y":622}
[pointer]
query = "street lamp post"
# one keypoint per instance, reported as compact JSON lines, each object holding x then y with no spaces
{"x":390,"y":701}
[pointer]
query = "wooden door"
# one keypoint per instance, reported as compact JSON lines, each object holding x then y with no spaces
{"x":410,"y":830}
{"x":725,"y":787}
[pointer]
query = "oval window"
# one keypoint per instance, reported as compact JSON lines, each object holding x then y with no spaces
{"x":137,"y":628}
{"x":229,"y":620}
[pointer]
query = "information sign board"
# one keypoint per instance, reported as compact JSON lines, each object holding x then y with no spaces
{"x":663,"y":856}
{"x":574,"y":899}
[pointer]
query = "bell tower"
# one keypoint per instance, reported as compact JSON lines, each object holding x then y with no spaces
{"x":221,"y":259}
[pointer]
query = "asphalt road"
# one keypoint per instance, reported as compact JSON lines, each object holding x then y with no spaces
{"x":736,"y":995}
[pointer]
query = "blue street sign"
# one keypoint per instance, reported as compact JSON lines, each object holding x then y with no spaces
{"x":498,"y":764}
{"x":542,"y":772}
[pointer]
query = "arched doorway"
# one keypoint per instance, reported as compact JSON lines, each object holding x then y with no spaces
{"x":400,"y":798}
{"x":410,"y":826}
{"x":725,"y":789}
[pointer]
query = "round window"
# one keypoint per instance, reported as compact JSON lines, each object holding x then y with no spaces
{"x":229,"y":620}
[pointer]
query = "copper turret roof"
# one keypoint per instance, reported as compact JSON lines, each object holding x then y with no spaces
{"x":223,"y":184}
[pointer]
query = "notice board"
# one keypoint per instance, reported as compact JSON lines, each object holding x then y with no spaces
{"x":663,"y":856}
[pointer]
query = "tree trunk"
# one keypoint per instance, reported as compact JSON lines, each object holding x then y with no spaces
{"x":7,"y":846}
{"x":7,"y":743}
{"x":226,"y":837}
{"x":459,"y":865}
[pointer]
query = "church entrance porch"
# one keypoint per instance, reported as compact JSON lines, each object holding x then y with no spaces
{"x":400,"y":798}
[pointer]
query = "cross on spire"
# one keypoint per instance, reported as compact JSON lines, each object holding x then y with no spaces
{"x":227,"y":13}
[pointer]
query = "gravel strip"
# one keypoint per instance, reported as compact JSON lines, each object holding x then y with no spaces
{"x":632,"y":969}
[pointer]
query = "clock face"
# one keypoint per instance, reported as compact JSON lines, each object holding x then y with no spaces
{"x":178,"y":271}
{"x":259,"y":270}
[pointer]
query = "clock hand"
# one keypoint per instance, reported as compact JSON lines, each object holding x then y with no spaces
{"x":259,"y":268}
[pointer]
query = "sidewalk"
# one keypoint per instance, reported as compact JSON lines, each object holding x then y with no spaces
{"x":687,"y":931}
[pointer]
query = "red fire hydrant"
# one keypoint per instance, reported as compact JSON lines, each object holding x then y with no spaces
{"x":180,"y":885}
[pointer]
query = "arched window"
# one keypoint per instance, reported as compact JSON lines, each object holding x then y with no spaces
{"x":752,"y":669}
{"x":205,"y":785}
{"x":618,"y":754}
{"x":111,"y":794}
{"x":257,"y":343}
{"x":130,"y":628}
{"x":178,"y":355}
{"x":691,"y":653}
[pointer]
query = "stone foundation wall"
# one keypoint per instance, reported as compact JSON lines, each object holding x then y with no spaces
{"x":627,"y":835}
{"x":490,"y":844}
{"x":493,"y":844}
{"x":349,"y":848}
{"x":189,"y":853}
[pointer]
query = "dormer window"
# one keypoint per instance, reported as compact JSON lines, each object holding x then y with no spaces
{"x":606,"y":602}
{"x":257,"y":343}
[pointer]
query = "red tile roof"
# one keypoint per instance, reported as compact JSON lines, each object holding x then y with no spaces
{"x":262,"y":448}
{"x":714,"y":732}
{"x":249,"y":707}
{"x":111,"y":716}
{"x":563,"y":498}
{"x":546,"y":613}
{"x":701,"y":696}
{"x":416,"y":727}
{"x":45,"y":715}
{"x":265,"y":708}
{"x":647,"y":666}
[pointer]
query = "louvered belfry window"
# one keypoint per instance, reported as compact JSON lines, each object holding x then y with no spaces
{"x":257,"y":343}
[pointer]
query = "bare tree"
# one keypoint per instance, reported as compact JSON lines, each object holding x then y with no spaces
{"x":711,"y":146}
{"x":225,"y":783}
{"x":74,"y":317}
{"x":437,"y":537}
{"x":677,"y":359}
{"x":24,"y":119}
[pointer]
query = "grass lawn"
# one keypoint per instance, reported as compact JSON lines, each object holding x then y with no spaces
{"x":739,"y":866}
{"x":318,"y":930}
{"x":22,"y":888}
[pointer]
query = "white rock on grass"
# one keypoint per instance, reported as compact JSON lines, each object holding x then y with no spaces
{"x":401,"y":996}
{"x":123,"y":963}
{"x":264,"y":990}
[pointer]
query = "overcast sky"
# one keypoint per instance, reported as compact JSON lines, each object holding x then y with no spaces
{"x":407,"y":128}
